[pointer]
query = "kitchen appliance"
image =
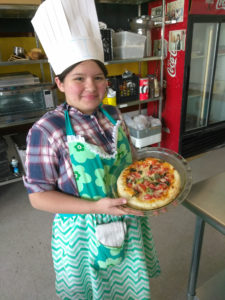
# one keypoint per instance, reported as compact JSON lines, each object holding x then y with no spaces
{"x":203,"y":105}
{"x":23,"y":98}
{"x":142,"y":25}
{"x":194,"y":108}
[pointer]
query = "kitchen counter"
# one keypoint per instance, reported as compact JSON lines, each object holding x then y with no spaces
{"x":207,"y":201}
{"x":208,"y":164}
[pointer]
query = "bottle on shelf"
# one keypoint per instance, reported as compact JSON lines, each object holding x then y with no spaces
{"x":111,"y":95}
{"x":14,"y":165}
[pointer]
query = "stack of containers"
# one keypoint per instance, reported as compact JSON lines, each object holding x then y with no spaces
{"x":128,"y":45}
{"x":144,"y":130}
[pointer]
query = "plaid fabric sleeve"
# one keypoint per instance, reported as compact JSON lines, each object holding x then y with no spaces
{"x":41,"y":162}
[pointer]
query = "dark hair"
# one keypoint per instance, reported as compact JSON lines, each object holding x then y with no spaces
{"x":65,"y":72}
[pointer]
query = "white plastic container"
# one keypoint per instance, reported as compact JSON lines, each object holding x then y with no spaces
{"x":145,"y":137}
{"x":128,"y":45}
{"x":124,"y":52}
{"x":127,"y":38}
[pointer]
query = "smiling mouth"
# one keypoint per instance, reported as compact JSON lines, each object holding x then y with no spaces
{"x":91,"y":97}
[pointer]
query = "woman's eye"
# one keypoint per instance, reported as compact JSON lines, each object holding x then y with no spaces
{"x":78,"y":78}
{"x":99,"y":78}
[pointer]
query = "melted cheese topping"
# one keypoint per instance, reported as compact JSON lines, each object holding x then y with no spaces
{"x":148,"y":184}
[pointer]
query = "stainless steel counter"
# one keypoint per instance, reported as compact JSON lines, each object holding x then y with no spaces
{"x":207,"y":165}
{"x":207,"y":201}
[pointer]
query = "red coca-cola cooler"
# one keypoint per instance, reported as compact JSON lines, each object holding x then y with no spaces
{"x":193,"y":112}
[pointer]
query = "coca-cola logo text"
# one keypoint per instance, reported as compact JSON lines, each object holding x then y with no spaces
{"x":220,"y":4}
{"x":172,"y":63}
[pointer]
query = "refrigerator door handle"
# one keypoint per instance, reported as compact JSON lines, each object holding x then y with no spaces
{"x":186,"y":80}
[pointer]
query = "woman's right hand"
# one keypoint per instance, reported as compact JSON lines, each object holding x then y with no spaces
{"x":115,"y":206}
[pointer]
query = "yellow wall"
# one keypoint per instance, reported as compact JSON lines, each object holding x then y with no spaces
{"x":8,"y":43}
{"x":6,"y":47}
{"x":117,"y":69}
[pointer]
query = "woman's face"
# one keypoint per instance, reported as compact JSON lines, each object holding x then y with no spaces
{"x":84,"y":86}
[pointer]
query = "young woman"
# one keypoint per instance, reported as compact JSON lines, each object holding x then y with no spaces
{"x":100,"y":249}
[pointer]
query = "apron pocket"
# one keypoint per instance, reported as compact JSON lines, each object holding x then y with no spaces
{"x":110,"y":244}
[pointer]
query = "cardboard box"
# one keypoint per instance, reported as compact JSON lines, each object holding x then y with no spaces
{"x":23,"y":2}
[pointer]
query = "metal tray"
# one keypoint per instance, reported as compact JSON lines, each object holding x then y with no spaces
{"x":179,"y":163}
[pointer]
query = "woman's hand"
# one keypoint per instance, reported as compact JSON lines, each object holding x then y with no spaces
{"x":61,"y":203}
{"x":114,"y":206}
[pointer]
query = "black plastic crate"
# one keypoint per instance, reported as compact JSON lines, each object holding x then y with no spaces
{"x":3,"y":156}
{"x":3,"y":144}
{"x":5,"y":170}
{"x":127,"y":89}
{"x":107,"y":43}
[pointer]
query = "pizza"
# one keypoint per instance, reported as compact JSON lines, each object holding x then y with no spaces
{"x":149,"y":183}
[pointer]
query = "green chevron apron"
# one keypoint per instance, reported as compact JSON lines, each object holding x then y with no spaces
{"x":91,"y":251}
{"x":93,"y":172}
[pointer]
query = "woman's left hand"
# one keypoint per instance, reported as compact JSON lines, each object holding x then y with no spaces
{"x":114,"y":206}
{"x":129,"y":211}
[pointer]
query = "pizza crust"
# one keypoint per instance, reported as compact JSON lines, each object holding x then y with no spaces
{"x":167,"y":195}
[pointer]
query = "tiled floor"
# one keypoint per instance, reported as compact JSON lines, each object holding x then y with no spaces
{"x":26,"y":271}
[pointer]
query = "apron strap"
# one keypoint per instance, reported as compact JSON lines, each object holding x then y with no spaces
{"x":69,"y":128}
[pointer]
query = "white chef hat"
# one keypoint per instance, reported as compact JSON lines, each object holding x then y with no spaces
{"x":69,"y":32}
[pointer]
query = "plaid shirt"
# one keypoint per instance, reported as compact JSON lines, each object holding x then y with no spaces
{"x":48,"y":164}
